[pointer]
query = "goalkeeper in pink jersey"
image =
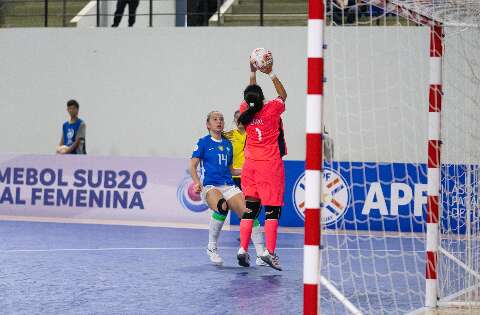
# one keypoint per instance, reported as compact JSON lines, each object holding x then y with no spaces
{"x":263,"y":175}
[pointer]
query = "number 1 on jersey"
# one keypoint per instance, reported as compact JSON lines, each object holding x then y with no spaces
{"x":259,"y":133}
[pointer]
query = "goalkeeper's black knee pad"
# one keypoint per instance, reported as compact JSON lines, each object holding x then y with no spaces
{"x":254,"y":207}
{"x":273,"y":212}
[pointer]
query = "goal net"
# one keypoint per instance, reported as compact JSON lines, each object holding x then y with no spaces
{"x":401,"y":105}
{"x":459,"y":251}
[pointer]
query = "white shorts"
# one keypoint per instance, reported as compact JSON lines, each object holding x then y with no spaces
{"x":227,"y":191}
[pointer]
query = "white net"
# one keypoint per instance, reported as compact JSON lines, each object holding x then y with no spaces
{"x":374,"y":191}
{"x":447,"y":12}
{"x":374,"y":197}
{"x":459,"y":258}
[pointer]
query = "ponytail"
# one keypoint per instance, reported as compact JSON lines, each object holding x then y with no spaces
{"x":253,"y":96}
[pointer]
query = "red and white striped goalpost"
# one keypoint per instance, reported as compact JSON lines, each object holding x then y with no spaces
{"x":433,"y":172}
{"x":314,"y":156}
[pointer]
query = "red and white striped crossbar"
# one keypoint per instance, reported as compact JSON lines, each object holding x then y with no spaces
{"x":314,"y":156}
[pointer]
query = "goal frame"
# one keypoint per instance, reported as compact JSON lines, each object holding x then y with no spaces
{"x":314,"y":159}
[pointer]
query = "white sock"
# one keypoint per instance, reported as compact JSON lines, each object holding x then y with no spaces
{"x":216,"y":223}
{"x":257,"y":239}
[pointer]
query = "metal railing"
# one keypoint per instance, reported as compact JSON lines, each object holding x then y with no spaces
{"x":59,"y":13}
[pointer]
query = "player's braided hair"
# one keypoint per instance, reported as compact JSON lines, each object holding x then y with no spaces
{"x":253,"y":95}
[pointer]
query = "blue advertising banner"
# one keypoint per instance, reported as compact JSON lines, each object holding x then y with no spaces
{"x":356,"y":195}
{"x":378,"y":196}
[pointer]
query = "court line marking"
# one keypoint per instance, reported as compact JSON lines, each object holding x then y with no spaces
{"x":204,"y":226}
{"x":177,"y":248}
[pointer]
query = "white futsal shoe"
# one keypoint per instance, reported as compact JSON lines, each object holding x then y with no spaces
{"x":215,"y":258}
{"x":271,"y":260}
{"x":260,"y":262}
{"x":243,"y":258}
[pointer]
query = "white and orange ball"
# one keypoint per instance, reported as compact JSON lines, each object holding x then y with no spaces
{"x":260,"y":58}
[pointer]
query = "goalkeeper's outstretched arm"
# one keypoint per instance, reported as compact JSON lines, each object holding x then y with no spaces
{"x":276,"y":82}
{"x":253,"y":74}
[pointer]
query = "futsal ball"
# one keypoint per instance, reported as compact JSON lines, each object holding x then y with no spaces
{"x":192,"y":194}
{"x":261,"y":57}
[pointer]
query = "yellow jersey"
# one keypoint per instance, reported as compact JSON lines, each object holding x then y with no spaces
{"x":238,"y":142}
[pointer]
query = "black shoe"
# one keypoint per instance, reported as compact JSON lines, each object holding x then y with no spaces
{"x":243,"y":258}
{"x":272,"y":260}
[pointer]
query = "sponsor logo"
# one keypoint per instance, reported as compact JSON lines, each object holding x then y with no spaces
{"x":188,"y":198}
{"x":335,"y":196}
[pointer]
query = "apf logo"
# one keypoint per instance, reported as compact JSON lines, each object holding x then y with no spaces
{"x":335,"y":196}
{"x":188,"y":198}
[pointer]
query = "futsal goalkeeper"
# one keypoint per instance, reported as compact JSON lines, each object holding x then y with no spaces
{"x":263,"y":174}
{"x":237,"y":137}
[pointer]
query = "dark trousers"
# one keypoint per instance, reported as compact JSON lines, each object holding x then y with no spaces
{"x":199,"y":11}
{"x":132,"y":9}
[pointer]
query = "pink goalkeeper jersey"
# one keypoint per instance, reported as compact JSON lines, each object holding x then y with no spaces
{"x":263,"y":141}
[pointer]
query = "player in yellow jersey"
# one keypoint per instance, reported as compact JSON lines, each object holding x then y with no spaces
{"x":237,"y":137}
